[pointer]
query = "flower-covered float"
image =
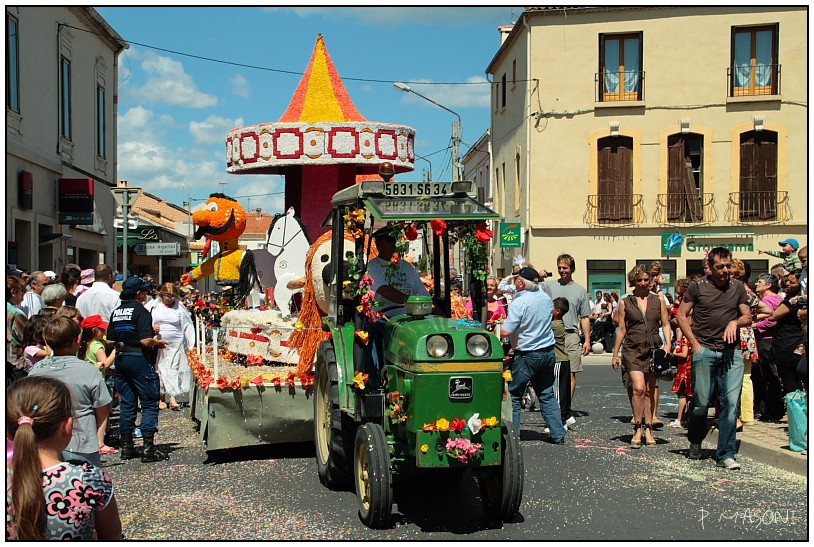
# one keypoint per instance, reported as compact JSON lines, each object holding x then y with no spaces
{"x":254,"y":377}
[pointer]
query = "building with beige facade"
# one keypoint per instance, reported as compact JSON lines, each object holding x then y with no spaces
{"x":612,"y":128}
{"x":61,"y":87}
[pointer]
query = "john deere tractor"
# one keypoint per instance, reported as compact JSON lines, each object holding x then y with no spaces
{"x":439,"y":403}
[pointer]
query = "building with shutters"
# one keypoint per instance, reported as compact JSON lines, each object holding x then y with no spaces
{"x":614,"y":127}
{"x":61,"y":88}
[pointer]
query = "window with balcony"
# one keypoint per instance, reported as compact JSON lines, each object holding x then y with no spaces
{"x":754,"y":69}
{"x":65,"y":98}
{"x":620,"y":75}
{"x":12,"y":64}
{"x":685,"y":197}
{"x":615,"y":180}
{"x":758,"y":198}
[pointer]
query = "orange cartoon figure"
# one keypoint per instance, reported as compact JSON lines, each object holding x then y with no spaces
{"x":221,"y":219}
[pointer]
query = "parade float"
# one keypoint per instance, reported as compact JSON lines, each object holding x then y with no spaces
{"x":253,"y":365}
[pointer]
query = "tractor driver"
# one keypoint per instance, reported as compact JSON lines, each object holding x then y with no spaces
{"x":392,"y":283}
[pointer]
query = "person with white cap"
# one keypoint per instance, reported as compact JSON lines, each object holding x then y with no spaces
{"x":788,"y":253}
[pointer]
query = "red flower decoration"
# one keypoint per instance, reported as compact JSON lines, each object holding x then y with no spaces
{"x":411,"y":232}
{"x":206,"y":382}
{"x":258,"y":381}
{"x":255,"y":359}
{"x":307,"y":381}
{"x":237,"y":384}
{"x":290,"y":379}
{"x":256,"y":330}
{"x":457,"y":425}
{"x":223,"y":383}
{"x":483,"y":233}
{"x":276,"y":381}
{"x":439,"y":226}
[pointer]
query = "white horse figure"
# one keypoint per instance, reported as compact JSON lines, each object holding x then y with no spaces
{"x":289,"y":245}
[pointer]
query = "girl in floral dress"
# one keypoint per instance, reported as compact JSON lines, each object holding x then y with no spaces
{"x":47,"y":498}
{"x":748,"y":348}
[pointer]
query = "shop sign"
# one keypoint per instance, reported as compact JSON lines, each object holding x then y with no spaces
{"x":75,"y":201}
{"x":665,"y":241}
{"x":142,"y":234}
{"x":26,"y":190}
{"x":734,"y":244}
{"x":510,"y":234}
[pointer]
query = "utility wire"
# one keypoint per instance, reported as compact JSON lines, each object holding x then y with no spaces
{"x":277,"y":70}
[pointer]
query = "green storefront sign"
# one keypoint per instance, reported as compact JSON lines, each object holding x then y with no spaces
{"x":510,"y":234}
{"x":664,"y":242}
{"x":142,"y":234}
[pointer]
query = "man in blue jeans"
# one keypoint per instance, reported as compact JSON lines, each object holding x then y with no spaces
{"x":529,"y":328}
{"x":719,"y":307}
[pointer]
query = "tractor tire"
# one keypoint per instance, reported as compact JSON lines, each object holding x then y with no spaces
{"x":333,"y":443}
{"x":372,"y":476}
{"x":501,"y":488}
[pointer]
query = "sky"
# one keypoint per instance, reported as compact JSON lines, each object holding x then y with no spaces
{"x":192,"y":74}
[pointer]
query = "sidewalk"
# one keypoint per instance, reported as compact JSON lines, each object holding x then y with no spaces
{"x":765,"y":442}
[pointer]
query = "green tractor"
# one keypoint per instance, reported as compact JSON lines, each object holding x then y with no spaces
{"x":442,"y":406}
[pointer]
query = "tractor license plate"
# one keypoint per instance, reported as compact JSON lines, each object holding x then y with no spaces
{"x":460,"y":388}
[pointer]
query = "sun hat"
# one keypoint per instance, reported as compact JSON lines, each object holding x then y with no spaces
{"x":88,"y":276}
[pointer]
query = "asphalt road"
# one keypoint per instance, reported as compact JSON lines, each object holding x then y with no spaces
{"x":591,"y":488}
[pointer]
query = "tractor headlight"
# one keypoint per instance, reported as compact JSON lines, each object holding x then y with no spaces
{"x":477,"y":345}
{"x":437,"y":346}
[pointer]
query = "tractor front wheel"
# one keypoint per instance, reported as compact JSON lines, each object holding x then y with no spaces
{"x":333,"y":454}
{"x":373,"y":478}
{"x":501,"y":488}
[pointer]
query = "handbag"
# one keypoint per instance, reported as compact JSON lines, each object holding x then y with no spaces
{"x":660,"y":361}
{"x":797,"y":410}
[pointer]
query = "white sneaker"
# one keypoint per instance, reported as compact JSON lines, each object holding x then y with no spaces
{"x":675,"y":424}
{"x":729,"y":463}
{"x":569,"y":422}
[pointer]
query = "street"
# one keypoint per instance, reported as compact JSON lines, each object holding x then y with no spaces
{"x":592,"y":488}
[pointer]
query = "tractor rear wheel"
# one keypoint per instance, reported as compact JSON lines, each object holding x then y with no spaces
{"x":372,"y":476}
{"x":501,"y":487}
{"x":333,"y":456}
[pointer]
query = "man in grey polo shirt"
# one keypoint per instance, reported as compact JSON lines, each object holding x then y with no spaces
{"x":577,"y":318}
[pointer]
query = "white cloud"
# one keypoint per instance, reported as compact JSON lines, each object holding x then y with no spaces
{"x":169,"y":83}
{"x":476,"y":93}
{"x":213,"y":130}
{"x":240,"y":86}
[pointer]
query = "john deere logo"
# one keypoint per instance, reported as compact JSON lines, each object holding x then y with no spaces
{"x":510,"y":234}
{"x":460,"y":388}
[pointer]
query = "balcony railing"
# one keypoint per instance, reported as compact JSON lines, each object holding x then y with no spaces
{"x":619,"y":86}
{"x":758,"y":207}
{"x":753,"y":80}
{"x":679,"y":208}
{"x":614,"y":210}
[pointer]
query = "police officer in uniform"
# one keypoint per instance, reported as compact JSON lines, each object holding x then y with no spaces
{"x":131,"y":328}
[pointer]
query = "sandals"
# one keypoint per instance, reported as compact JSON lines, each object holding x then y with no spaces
{"x":162,"y":405}
{"x":105,"y":450}
{"x":634,"y":443}
{"x":175,"y":407}
{"x":649,"y":444}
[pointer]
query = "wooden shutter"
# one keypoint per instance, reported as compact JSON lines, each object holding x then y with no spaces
{"x":675,"y":182}
{"x":615,"y":181}
{"x":758,"y":176}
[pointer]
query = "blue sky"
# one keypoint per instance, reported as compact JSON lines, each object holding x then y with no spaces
{"x":175,"y":106}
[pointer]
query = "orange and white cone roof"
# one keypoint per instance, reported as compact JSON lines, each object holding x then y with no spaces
{"x":321,"y":126}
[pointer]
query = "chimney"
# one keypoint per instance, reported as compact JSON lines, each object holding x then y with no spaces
{"x":259,"y":212}
{"x":504,"y":32}
{"x":121,"y":184}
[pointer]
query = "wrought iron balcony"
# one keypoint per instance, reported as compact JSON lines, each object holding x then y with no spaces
{"x":679,"y":208}
{"x":614,"y":210}
{"x":619,"y":86}
{"x":753,"y":80}
{"x":758,"y":207}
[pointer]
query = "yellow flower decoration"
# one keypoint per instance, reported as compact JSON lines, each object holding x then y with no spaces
{"x":359,"y":380}
{"x":507,"y":375}
{"x":246,"y":382}
{"x":299,"y":326}
{"x":442,"y":424}
{"x":425,"y":448}
{"x":489,"y":422}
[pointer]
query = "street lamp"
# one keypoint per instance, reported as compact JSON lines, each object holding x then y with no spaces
{"x":456,"y":128}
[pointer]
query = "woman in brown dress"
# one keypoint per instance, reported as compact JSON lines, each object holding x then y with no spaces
{"x":632,"y":339}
